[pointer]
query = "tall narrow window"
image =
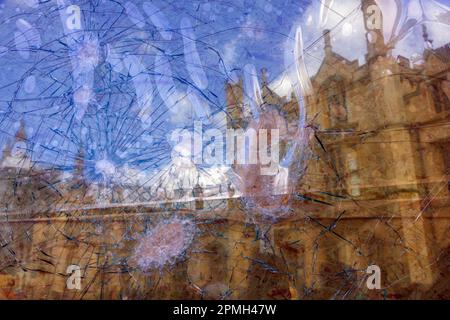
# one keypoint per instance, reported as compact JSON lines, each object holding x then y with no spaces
{"x":337,"y":102}
{"x":354,"y":180}
{"x":440,"y":91}
{"x":445,"y":148}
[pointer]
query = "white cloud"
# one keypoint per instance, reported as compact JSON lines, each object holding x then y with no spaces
{"x":229,"y":53}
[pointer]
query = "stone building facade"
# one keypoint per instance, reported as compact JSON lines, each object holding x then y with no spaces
{"x":375,"y":192}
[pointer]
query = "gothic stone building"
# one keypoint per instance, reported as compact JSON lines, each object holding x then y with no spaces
{"x":376,"y":192}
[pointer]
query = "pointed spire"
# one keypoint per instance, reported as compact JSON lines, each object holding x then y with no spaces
{"x":264,"y":80}
{"x":327,"y":41}
{"x":78,"y":172}
{"x":15,"y":153}
{"x":21,"y":134}
{"x":265,"y":91}
{"x":79,"y":160}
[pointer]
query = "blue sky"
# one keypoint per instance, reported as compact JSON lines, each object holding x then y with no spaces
{"x":38,"y":84}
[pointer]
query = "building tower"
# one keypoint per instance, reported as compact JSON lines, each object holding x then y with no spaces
{"x":15,"y":154}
